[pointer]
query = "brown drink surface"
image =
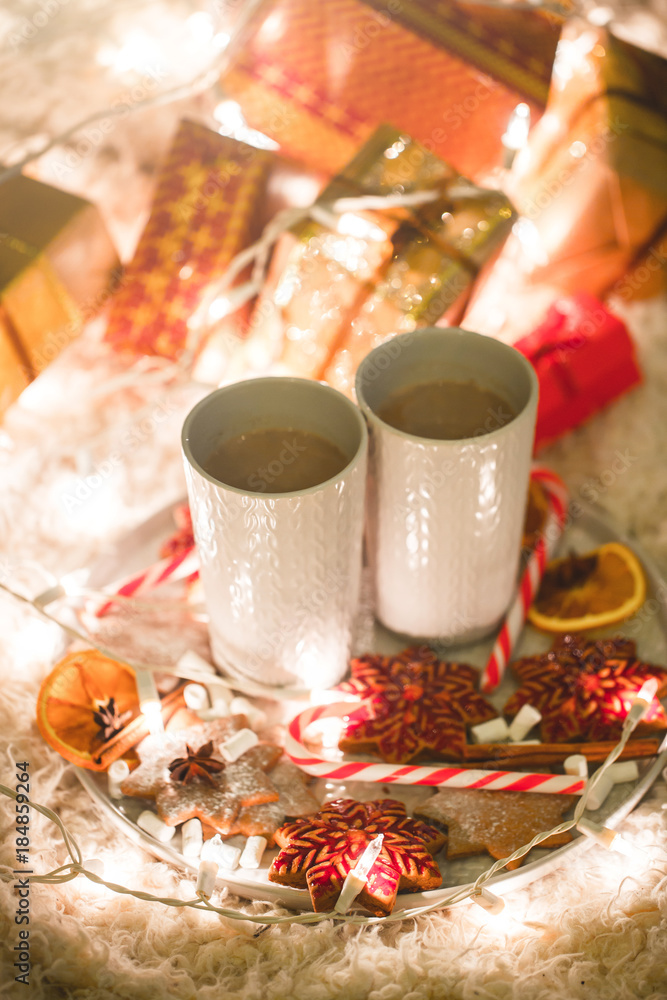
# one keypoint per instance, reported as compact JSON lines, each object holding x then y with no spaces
{"x":275,"y":460}
{"x":446,"y":410}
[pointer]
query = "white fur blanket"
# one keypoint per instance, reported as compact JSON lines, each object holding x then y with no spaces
{"x":596,"y":930}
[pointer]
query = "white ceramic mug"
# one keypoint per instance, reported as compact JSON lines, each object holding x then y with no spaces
{"x":280,"y":571}
{"x":445,"y":516}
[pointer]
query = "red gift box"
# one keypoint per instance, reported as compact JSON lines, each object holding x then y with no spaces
{"x":584,"y":358}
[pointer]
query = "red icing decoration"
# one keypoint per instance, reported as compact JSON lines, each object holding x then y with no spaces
{"x":318,"y":853}
{"x":419,"y":706}
{"x":584,"y":689}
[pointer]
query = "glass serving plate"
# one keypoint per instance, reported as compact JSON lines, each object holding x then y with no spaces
{"x":649,"y":628}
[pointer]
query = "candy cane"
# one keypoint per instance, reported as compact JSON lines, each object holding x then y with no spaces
{"x":557,"y":496}
{"x":412,"y":774}
{"x":185,"y":564}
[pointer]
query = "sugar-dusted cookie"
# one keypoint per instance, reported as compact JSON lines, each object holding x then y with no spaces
{"x":185,"y":774}
{"x":317,"y":853}
{"x":292,"y":785}
{"x":497,"y":822}
{"x":263,"y":820}
{"x":584,"y":689}
{"x":419,"y":706}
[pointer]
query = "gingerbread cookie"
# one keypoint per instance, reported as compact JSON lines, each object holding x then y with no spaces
{"x":263,"y":820}
{"x":419,"y":706}
{"x":584,"y":689}
{"x":497,"y":822}
{"x":292,"y":786}
{"x":187,"y":777}
{"x":317,"y":853}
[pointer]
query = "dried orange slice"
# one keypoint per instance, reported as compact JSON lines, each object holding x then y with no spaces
{"x":82,"y":702}
{"x":589,"y":591}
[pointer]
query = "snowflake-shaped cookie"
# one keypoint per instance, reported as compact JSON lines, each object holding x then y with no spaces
{"x":318,"y":852}
{"x":419,"y":706}
{"x":584,"y":689}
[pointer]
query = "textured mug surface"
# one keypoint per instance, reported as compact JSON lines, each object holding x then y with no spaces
{"x":280,"y":572}
{"x":445,"y":518}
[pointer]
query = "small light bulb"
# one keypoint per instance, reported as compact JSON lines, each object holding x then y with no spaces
{"x":357,"y":877}
{"x":612,"y":841}
{"x":641,"y":703}
{"x":149,"y":701}
{"x":153,"y":713}
{"x":95,"y":866}
{"x":489,"y":902}
{"x":647,"y":691}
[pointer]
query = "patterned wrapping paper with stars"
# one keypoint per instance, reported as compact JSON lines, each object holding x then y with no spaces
{"x":201,"y":217}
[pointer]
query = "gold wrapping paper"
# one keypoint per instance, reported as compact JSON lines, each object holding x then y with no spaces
{"x":591,"y":185}
{"x":336,"y":290}
{"x":57,"y":263}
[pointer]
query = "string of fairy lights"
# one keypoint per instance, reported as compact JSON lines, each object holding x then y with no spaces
{"x":92,"y":869}
{"x":210,"y":75}
{"x":356,"y":879}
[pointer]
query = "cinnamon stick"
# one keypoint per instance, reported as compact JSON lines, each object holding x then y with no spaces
{"x":136,"y":730}
{"x":490,"y":755}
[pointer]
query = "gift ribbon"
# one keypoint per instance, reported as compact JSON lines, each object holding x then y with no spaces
{"x":557,"y":497}
{"x":411,"y":774}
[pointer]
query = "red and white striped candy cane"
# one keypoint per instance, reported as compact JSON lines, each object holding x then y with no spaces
{"x":412,"y":774}
{"x":176,"y":567}
{"x":557,"y":497}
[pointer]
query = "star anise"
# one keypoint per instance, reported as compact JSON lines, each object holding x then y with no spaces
{"x":110,"y":720}
{"x":196,"y":765}
{"x":574,"y":571}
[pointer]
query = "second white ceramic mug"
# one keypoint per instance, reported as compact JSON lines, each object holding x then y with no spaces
{"x":280,"y":571}
{"x":445,"y":517}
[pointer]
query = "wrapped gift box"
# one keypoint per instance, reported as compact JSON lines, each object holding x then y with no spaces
{"x":591,"y":185}
{"x":204,"y":212}
{"x":57,"y":265}
{"x":319,"y":77}
{"x":341,"y":283}
{"x":584,"y":358}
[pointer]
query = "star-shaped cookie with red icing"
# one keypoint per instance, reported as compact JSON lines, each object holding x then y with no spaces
{"x":317,"y":853}
{"x":497,"y":822}
{"x":584,"y":689}
{"x":418,"y":706}
{"x":186,"y":775}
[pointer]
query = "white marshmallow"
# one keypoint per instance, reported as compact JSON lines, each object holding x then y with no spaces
{"x":255,"y":716}
{"x":523,"y":722}
{"x":193,"y":661}
{"x":192,"y":838}
{"x":152,"y":824}
{"x":219,"y":710}
{"x":494,"y":731}
{"x":597,"y":797}
{"x":237,"y":744}
{"x":195,"y":696}
{"x":116,"y":774}
{"x":576,"y":765}
{"x":252,"y":852}
{"x":228,"y":857}
{"x":624,"y":770}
